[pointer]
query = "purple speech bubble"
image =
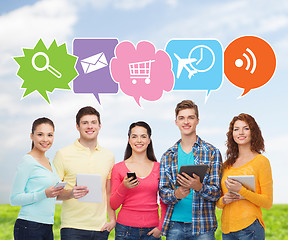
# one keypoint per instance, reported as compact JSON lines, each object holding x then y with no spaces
{"x":94,"y":57}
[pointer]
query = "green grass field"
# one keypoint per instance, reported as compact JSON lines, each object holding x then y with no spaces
{"x":275,"y":220}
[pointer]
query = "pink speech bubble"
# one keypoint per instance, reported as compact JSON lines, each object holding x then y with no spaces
{"x":141,"y":71}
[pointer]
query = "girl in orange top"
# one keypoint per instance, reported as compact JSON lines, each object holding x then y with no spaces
{"x":242,"y":216}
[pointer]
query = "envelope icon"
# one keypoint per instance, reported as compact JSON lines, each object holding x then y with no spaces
{"x":94,"y":63}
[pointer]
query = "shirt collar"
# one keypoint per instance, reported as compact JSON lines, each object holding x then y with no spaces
{"x":175,"y":146}
{"x":198,"y":141}
{"x":79,"y":145}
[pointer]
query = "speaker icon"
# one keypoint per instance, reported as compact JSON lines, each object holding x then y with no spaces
{"x":239,"y":62}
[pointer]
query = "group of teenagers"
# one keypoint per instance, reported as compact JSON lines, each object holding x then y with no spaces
{"x":187,"y":210}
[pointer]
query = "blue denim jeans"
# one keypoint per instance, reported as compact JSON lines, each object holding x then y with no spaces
{"x":183,"y":231}
{"x":132,"y":233}
{"x":254,"y":231}
{"x":79,"y":234}
{"x":28,"y":230}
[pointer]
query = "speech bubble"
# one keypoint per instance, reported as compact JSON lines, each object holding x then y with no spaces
{"x":249,"y":62}
{"x":94,"y":57}
{"x":45,"y":69}
{"x":197,"y":64}
{"x":141,"y":71}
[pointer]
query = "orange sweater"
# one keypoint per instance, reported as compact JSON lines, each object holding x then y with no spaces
{"x":240,"y":214}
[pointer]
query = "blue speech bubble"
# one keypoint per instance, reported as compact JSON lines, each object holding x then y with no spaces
{"x":197,"y":64}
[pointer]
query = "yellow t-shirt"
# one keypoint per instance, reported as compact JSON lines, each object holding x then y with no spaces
{"x":74,"y":159}
{"x":240,"y":214}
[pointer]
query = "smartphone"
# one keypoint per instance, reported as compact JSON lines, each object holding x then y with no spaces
{"x":131,"y":174}
{"x":60,"y":184}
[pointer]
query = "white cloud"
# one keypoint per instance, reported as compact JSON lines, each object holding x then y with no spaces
{"x":98,"y":4}
{"x":273,"y":23}
{"x":23,"y":27}
{"x":281,"y":50}
{"x":225,"y":19}
{"x":46,"y":18}
{"x":172,"y":2}
{"x":132,"y":4}
{"x":277,"y":144}
{"x":123,"y":4}
{"x":213,"y":131}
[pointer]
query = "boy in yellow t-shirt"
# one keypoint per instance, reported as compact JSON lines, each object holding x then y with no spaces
{"x":81,"y":220}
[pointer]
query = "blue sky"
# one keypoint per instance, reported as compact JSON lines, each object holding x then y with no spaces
{"x":23,"y":23}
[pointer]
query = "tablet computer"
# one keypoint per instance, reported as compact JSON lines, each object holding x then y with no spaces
{"x":199,"y":170}
{"x":94,"y":185}
{"x":248,"y":181}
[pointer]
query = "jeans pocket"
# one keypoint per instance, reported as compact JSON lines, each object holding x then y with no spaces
{"x":151,"y":237}
{"x":171,"y":224}
{"x":247,"y":233}
{"x":20,"y":230}
{"x":121,"y":232}
{"x":20,"y":224}
{"x":17,"y":232}
{"x":121,"y":235}
{"x":34,"y":226}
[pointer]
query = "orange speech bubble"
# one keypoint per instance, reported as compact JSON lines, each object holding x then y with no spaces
{"x":249,"y":62}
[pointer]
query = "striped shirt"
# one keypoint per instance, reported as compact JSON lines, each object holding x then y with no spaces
{"x":203,"y":206}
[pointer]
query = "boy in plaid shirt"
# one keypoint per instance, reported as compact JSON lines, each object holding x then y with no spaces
{"x":191,"y":206}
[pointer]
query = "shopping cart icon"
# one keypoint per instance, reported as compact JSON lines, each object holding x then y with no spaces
{"x":140,"y":70}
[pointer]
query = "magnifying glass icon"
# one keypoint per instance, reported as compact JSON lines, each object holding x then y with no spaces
{"x":46,"y":66}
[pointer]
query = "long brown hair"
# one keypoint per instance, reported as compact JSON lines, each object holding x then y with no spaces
{"x":38,"y":122}
{"x":149,"y":151}
{"x":257,"y":141}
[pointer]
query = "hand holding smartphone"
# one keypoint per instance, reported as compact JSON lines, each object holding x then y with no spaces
{"x":60,"y":184}
{"x":131,"y":174}
{"x":132,"y":180}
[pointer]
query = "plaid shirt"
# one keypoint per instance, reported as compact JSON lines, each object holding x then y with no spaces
{"x":203,"y":206}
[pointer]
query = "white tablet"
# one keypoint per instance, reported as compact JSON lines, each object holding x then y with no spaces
{"x":93,"y":183}
{"x":247,"y":181}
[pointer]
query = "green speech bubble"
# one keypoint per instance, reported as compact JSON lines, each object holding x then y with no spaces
{"x":45,"y":69}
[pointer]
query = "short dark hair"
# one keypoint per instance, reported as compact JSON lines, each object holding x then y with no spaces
{"x":186,"y":104}
{"x":150,"y":151}
{"x":87,"y":111}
